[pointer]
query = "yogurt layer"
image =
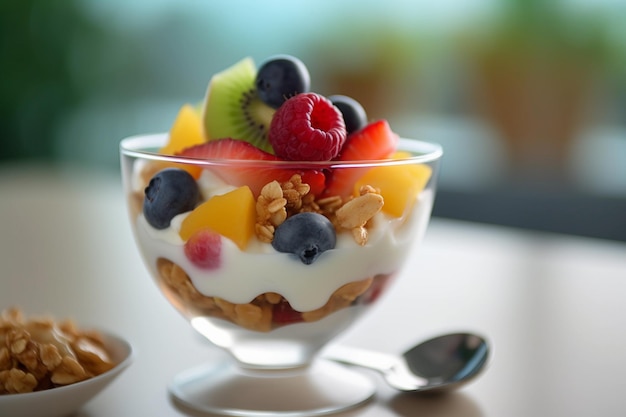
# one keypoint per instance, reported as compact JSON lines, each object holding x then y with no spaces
{"x":243,"y":275}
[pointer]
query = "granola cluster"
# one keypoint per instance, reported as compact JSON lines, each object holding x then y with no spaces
{"x":278,"y":201}
{"x":259,"y":314}
{"x":39,"y":353}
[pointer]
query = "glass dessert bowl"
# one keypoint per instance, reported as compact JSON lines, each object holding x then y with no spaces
{"x":274,"y":238}
{"x":269,"y":309}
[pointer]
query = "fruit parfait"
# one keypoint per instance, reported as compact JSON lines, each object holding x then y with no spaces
{"x":272,"y":216}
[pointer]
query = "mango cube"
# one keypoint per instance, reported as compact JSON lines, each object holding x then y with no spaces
{"x":398,"y":184}
{"x":232,"y":215}
{"x":185,"y":132}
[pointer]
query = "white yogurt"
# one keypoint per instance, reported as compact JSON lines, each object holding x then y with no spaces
{"x":243,"y":275}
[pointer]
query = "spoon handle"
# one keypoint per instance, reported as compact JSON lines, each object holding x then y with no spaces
{"x":376,"y":361}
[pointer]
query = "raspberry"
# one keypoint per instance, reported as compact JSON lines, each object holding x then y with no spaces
{"x":204,"y":249}
{"x":307,"y":127}
{"x":283,"y":313}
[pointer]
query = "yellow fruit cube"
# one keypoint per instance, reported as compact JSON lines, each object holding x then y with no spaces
{"x":232,"y":215}
{"x":185,"y":132}
{"x":398,"y":184}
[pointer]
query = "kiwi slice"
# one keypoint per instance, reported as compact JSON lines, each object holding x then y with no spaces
{"x":232,"y":108}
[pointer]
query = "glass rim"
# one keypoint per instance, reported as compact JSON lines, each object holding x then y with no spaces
{"x":139,"y":146}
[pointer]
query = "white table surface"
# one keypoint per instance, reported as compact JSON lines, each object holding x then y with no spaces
{"x":553,"y":307}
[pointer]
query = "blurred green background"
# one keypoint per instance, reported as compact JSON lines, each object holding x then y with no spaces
{"x":528,"y":97}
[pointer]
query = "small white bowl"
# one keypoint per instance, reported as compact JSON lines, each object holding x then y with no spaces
{"x":63,"y":401}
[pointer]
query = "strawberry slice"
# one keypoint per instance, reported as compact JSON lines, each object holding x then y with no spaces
{"x":227,"y":149}
{"x":253,"y":176}
{"x":375,"y":141}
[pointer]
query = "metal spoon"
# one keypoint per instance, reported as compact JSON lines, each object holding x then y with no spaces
{"x":442,"y":363}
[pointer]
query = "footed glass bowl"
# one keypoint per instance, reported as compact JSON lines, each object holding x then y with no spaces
{"x":270,"y":260}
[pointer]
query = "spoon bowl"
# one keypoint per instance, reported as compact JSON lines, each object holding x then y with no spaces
{"x":440,"y":364}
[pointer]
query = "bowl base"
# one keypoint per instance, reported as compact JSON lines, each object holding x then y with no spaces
{"x":227,"y":389}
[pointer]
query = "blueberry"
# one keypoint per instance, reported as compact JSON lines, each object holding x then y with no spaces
{"x":170,"y":192}
{"x":281,"y":77}
{"x":354,"y":115}
{"x":306,"y":235}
